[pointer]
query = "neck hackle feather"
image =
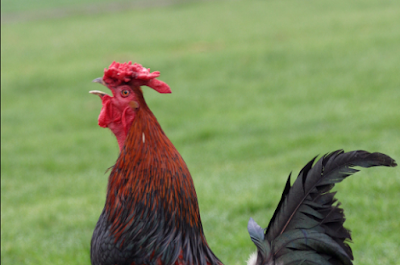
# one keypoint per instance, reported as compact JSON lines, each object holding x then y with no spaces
{"x":151,"y":215}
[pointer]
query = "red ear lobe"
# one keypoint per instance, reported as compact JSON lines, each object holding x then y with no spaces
{"x":159,"y":86}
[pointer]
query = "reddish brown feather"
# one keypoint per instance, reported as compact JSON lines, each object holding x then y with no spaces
{"x":148,"y":148}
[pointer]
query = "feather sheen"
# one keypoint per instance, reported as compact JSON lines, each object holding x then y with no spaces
{"x":307,"y":226}
{"x":151,"y":214}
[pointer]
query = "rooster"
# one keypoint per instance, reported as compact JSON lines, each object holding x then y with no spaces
{"x":151,"y":214}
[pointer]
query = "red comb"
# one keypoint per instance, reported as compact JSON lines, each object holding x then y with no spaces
{"x":119,"y":73}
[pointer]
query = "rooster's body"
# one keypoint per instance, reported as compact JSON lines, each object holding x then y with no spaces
{"x":151,"y":214}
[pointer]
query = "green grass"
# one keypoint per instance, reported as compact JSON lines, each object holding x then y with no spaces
{"x":259,"y":88}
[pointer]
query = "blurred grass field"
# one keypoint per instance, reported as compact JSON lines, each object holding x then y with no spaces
{"x":259,"y":88}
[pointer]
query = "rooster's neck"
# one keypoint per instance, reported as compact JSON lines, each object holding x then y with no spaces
{"x":151,"y":201}
{"x":147,"y":159}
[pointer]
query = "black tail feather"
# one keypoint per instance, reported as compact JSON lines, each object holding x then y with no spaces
{"x":307,"y":227}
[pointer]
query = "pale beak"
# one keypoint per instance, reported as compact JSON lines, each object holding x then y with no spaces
{"x":97,"y":92}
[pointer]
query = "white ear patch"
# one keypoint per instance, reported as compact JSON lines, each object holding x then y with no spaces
{"x":252,"y":259}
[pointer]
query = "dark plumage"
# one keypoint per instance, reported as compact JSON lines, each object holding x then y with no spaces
{"x":151,"y":212}
{"x":307,"y":228}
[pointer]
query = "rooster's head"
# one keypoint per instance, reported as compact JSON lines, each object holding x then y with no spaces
{"x":124,"y":80}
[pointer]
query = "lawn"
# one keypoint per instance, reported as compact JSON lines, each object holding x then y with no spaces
{"x":259,"y":88}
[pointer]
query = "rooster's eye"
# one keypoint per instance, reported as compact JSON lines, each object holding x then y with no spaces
{"x":124,"y":93}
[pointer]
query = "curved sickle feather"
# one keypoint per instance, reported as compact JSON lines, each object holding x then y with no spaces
{"x":306,"y":224}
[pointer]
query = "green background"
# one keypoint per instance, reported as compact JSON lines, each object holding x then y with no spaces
{"x":259,"y":88}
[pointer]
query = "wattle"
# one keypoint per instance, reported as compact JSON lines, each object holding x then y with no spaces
{"x":107,"y":112}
